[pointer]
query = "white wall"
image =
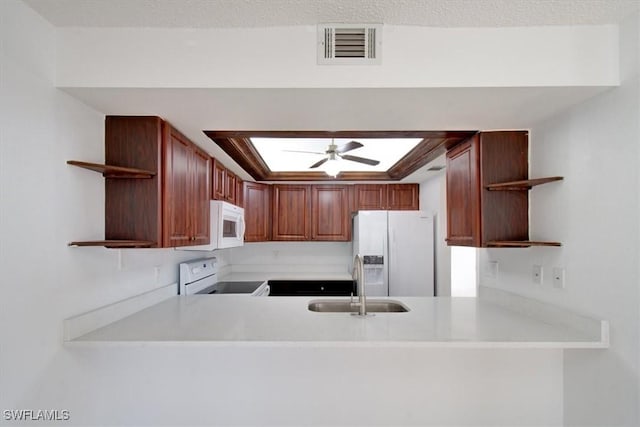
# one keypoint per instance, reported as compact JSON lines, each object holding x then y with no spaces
{"x":595,"y":213}
{"x":433,"y":199}
{"x":284,"y":57}
{"x":299,"y":257}
{"x":46,"y":203}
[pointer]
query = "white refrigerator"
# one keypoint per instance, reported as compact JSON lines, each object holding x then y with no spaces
{"x":398,"y":252}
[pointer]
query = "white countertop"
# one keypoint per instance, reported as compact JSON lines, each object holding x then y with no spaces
{"x":431,"y":322}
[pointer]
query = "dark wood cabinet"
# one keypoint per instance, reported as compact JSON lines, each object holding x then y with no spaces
{"x":165,"y":208}
{"x":370,"y":197}
{"x":330,"y":219}
{"x":386,"y":197}
{"x":225,"y":185}
{"x":218,"y":180}
{"x":230,"y":187}
{"x":200,"y":206}
{"x":463,"y":208}
{"x":257,"y":212}
{"x":487,"y":191}
{"x":403,"y":197}
{"x":239,"y":192}
{"x":291,"y":214}
{"x":177,"y":189}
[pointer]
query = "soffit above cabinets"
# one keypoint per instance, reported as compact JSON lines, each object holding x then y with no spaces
{"x":261,"y":13}
{"x":400,"y":152}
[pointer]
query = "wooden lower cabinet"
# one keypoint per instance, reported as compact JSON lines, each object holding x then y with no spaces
{"x":257,"y":212}
{"x":330,"y":219}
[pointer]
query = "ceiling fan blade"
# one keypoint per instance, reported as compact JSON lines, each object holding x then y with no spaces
{"x":321,"y":162}
{"x":361,"y":160}
{"x":299,"y":151}
{"x":351,"y":145}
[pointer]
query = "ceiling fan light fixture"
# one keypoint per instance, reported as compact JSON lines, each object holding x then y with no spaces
{"x":333,"y":167}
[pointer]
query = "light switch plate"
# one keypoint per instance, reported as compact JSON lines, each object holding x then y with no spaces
{"x":536,"y":276}
{"x":558,"y":277}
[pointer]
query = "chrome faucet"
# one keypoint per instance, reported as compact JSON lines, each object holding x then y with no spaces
{"x":358,"y":276}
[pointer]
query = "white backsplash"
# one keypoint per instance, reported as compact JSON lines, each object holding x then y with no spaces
{"x":323,"y":257}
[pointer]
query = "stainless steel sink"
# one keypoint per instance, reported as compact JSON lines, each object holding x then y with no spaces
{"x":345,"y":306}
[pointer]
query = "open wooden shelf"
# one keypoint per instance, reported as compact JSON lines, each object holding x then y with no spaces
{"x":109,"y":171}
{"x":115,"y":243}
{"x":519,"y":244}
{"x":521,"y":185}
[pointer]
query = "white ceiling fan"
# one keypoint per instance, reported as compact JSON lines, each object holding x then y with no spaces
{"x":335,"y":153}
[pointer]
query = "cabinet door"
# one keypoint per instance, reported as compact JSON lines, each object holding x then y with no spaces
{"x":403,"y":197}
{"x":218,"y":183}
{"x":291,"y":212}
{"x":177,"y":189}
{"x":463,"y":210}
{"x":370,"y":197}
{"x":330,"y":219}
{"x":257,"y":212}
{"x":230,"y":187}
{"x":199,"y":215}
{"x":239,"y":192}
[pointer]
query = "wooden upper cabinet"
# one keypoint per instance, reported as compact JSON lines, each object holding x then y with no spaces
{"x":392,"y":197}
{"x":330,"y":218}
{"x":257,"y":212}
{"x":177,"y":189}
{"x":370,"y":197}
{"x":169,"y":208}
{"x":218,"y":180}
{"x":403,"y":197}
{"x":291,"y":218}
{"x":239,"y":192}
{"x":477,"y":216}
{"x":230,"y":187}
{"x":225,"y":185}
{"x":463,"y":215}
{"x":200,"y":215}
{"x":186,"y":191}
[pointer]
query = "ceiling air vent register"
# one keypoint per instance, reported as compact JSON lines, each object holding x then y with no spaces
{"x":349,"y":44}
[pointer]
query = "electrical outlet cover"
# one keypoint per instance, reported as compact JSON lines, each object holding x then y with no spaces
{"x":558,"y":277}
{"x":537,"y":274}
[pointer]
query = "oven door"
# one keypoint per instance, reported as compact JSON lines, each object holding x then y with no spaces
{"x":230,"y":226}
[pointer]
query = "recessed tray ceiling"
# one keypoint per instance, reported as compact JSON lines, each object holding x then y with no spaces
{"x":275,"y":156}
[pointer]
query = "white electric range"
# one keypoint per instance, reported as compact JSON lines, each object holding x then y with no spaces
{"x":200,"y":277}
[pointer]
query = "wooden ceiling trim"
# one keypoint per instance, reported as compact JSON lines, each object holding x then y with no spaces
{"x":338,"y":134}
{"x":242,"y":151}
{"x":237,"y":144}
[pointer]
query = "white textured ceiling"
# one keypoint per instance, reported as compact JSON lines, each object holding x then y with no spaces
{"x":265,"y":13}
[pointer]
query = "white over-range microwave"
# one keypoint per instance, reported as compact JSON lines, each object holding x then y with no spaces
{"x":226,"y":228}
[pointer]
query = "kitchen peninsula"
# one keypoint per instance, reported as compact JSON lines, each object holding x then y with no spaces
{"x":499,"y":320}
